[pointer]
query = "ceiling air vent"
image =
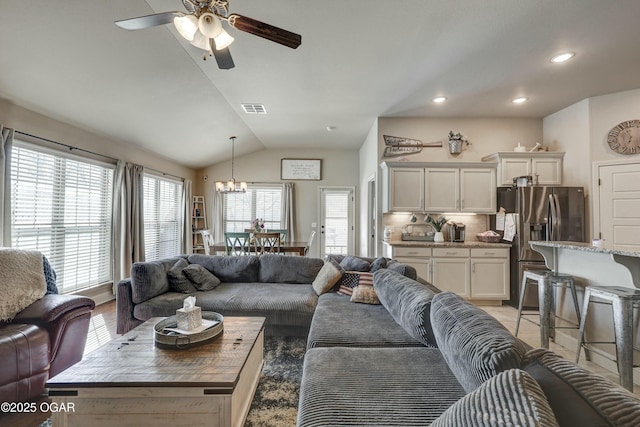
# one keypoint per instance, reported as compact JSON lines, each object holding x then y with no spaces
{"x":254,"y":108}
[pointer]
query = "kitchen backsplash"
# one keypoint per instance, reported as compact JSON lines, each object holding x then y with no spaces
{"x":474,"y":224}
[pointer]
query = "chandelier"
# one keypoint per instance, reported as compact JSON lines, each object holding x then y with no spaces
{"x":231,"y":186}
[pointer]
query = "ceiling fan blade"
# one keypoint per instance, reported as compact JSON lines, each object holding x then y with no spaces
{"x":223,"y":58}
{"x":269,"y":32}
{"x":148,"y":21}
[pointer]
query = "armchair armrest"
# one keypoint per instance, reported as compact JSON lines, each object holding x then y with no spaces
{"x":51,"y":307}
{"x":125,"y":320}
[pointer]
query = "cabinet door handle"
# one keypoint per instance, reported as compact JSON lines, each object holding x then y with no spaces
{"x":450,"y":253}
{"x":489,"y":253}
{"x":462,"y":202}
{"x":473,"y":267}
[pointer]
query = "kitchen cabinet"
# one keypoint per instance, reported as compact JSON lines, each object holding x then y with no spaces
{"x":417,"y":257}
{"x":460,"y":190}
{"x":546,"y":166}
{"x":451,"y":270}
{"x":436,"y":188}
{"x":490,"y":274}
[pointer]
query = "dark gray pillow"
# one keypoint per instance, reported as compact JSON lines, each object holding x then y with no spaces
{"x":178,"y":281}
{"x":202,"y":279}
{"x":289,"y":269}
{"x":377,"y":264}
{"x":475,"y":345}
{"x":579,"y":397}
{"x":353,"y":263}
{"x":402,"y":268}
{"x":408,"y":302}
{"x":244,"y":269}
{"x":511,"y":398}
{"x":149,"y":279}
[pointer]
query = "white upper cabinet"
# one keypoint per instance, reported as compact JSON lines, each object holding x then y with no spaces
{"x":435,"y":188}
{"x":547,"y":167}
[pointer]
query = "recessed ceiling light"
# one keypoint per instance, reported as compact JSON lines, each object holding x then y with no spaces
{"x":520,"y":100}
{"x":439,"y":99}
{"x":562,"y":57}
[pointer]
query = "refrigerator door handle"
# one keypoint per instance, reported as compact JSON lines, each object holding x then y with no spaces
{"x":551,"y":220}
{"x":558,"y":228}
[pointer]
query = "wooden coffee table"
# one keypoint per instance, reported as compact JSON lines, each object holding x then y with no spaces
{"x":130,"y":382}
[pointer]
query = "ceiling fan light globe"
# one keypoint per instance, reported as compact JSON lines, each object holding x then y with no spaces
{"x":209,"y":25}
{"x":223,"y":40}
{"x":201,"y":41}
{"x":186,"y":25}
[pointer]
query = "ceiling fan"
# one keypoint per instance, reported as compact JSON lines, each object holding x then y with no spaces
{"x":202,"y":27}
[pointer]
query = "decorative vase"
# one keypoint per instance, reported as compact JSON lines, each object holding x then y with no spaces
{"x":438,"y":237}
{"x":455,"y":146}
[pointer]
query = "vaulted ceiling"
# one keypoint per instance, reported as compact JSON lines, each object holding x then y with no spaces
{"x":359,"y":59}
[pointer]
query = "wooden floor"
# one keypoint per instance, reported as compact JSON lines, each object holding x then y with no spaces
{"x":103,"y":326}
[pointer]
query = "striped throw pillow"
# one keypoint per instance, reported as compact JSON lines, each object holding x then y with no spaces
{"x":351,"y":279}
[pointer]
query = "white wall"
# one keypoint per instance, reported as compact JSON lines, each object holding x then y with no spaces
{"x":42,"y":126}
{"x":339,"y":168}
{"x":368,"y":162}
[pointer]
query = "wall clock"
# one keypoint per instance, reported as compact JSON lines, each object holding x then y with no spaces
{"x":625,"y":137}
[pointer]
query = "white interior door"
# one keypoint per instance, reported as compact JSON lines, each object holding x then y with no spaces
{"x":619,"y":210}
{"x":337,"y":230}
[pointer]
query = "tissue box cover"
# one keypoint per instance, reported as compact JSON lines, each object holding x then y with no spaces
{"x":189,"y":318}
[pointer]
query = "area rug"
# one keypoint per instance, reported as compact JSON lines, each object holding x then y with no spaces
{"x":276,"y":400}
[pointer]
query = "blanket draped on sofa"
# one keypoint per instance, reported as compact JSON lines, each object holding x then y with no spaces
{"x":22,"y":281}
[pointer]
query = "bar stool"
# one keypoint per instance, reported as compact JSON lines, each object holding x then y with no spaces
{"x":622,"y":301}
{"x":547,"y":282}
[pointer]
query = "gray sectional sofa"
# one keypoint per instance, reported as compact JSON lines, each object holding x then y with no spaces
{"x":272,"y":286}
{"x":425,"y":357}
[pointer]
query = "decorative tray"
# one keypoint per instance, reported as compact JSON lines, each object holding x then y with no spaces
{"x":166,"y":339}
{"x":412,"y":237}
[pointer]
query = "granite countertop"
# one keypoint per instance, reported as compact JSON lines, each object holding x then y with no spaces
{"x":465,"y":244}
{"x":586,"y":247}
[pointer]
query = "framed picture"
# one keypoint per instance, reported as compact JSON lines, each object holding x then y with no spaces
{"x":301,"y":169}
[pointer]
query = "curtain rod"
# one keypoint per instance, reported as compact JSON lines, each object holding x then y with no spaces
{"x":71,"y":147}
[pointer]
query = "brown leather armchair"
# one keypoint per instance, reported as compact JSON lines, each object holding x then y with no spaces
{"x":43,"y":340}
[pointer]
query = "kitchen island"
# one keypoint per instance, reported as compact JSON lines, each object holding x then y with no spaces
{"x":599,"y":266}
{"x":475,"y":270}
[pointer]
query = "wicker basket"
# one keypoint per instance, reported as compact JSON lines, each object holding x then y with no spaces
{"x":489,"y":239}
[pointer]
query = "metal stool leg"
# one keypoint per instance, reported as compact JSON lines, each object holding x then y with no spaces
{"x":583,"y":322}
{"x":623,"y":328}
{"x":574,"y":295}
{"x":523,"y":288}
{"x":545,"y":296}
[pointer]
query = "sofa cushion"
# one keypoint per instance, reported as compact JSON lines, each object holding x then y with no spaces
{"x":327,"y":277}
{"x":230,"y":268}
{"x":377,"y":264}
{"x":353,"y":263}
{"x":476,"y":346}
{"x":402,"y":268}
{"x":409,"y":386}
{"x":289,"y":269}
{"x":339,"y":322}
{"x":149,"y":279}
{"x":352,"y":279}
{"x":579,"y":397}
{"x":203,"y":279}
{"x":408,"y":302}
{"x":178,"y":280}
{"x":511,"y":398}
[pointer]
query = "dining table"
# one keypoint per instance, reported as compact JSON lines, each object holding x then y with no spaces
{"x":299,"y":248}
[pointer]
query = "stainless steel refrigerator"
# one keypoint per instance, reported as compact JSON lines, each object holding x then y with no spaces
{"x":543,"y":213}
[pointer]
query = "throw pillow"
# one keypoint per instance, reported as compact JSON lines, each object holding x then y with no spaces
{"x":353,"y":263}
{"x":352,"y":279}
{"x":178,"y":281}
{"x":365,"y":295}
{"x":327,"y":277}
{"x":377,"y":264}
{"x":511,"y":398}
{"x":202,"y":279}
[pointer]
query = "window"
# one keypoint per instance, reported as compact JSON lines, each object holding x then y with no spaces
{"x":260,"y":201}
{"x":162,"y":217}
{"x":61,"y":206}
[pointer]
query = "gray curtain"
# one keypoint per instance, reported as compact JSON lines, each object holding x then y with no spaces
{"x":6,"y":140}
{"x":128,"y":219}
{"x":288,"y":220}
{"x":187,"y":198}
{"x":217,"y":224}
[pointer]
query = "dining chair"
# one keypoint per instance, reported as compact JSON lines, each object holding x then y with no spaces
{"x":266,"y":243}
{"x":310,"y":242}
{"x":282,"y":231}
{"x":207,"y":242}
{"x":237,"y":243}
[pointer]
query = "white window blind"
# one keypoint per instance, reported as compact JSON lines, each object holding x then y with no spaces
{"x":61,"y":206}
{"x":162,"y":217}
{"x":260,"y":201}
